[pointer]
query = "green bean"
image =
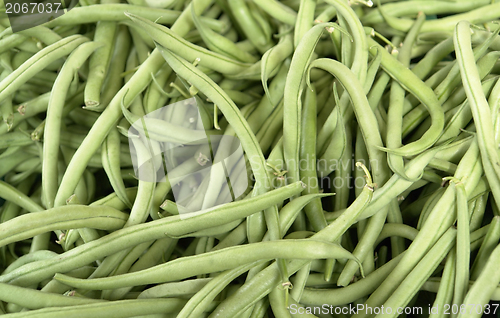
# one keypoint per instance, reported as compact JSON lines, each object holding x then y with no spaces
{"x":123,"y":267}
{"x":482,"y":289}
{"x":262,"y":284}
{"x":336,"y":147}
{"x":462,"y":115}
{"x":327,"y":15}
{"x":161,"y":130}
{"x":300,"y":280}
{"x":242,"y":130}
{"x":114,"y":81}
{"x":13,"y":195}
{"x":479,"y":106}
{"x":133,"y":235}
{"x":445,"y":291}
{"x":11,"y":42}
{"x":433,"y":284}
{"x":200,"y":301}
{"x":395,"y":112}
{"x":155,"y":96}
{"x":140,"y":45}
{"x":240,"y":98}
{"x":292,"y":105}
{"x":489,"y":243}
{"x":53,"y":120}
{"x":304,"y":21}
{"x":394,"y":217}
{"x":28,"y":258}
{"x":462,"y":245}
{"x":236,"y":237}
{"x":250,"y":26}
{"x":99,"y":62}
{"x":429,"y":205}
{"x":278,"y":11}
{"x":112,"y":12}
{"x":307,"y":152}
{"x":176,"y":289}
{"x":38,"y":62}
{"x":271,"y":59}
{"x":409,"y":8}
{"x":410,"y":82}
{"x":39,"y":300}
{"x":361,"y":106}
{"x":411,"y":284}
{"x":172,"y":41}
{"x":111,"y":163}
{"x":445,"y":88}
{"x":351,"y":293}
{"x":478,"y":211}
{"x":65,"y":217}
{"x":279,"y":304}
{"x":105,"y":121}
{"x":15,"y":139}
{"x":215,"y":261}
{"x":400,"y":230}
{"x":6,"y":108}
{"x":261,"y":19}
{"x":220,"y":44}
{"x":42,"y":33}
{"x":122,"y":308}
{"x":428,"y":234}
{"x":360,"y":55}
{"x":477,"y":16}
{"x":272,"y":125}
{"x":113,"y":201}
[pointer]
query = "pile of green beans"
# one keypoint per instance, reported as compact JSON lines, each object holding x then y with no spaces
{"x":371,"y":136}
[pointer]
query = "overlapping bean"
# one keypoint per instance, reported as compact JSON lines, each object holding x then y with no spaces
{"x":370,"y":134}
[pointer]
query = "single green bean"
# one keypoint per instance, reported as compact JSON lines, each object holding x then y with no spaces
{"x":61,"y":218}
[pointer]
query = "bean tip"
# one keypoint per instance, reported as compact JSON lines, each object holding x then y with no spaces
{"x":22,"y":109}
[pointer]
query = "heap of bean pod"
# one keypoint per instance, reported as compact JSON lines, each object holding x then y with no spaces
{"x":371,"y":134}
